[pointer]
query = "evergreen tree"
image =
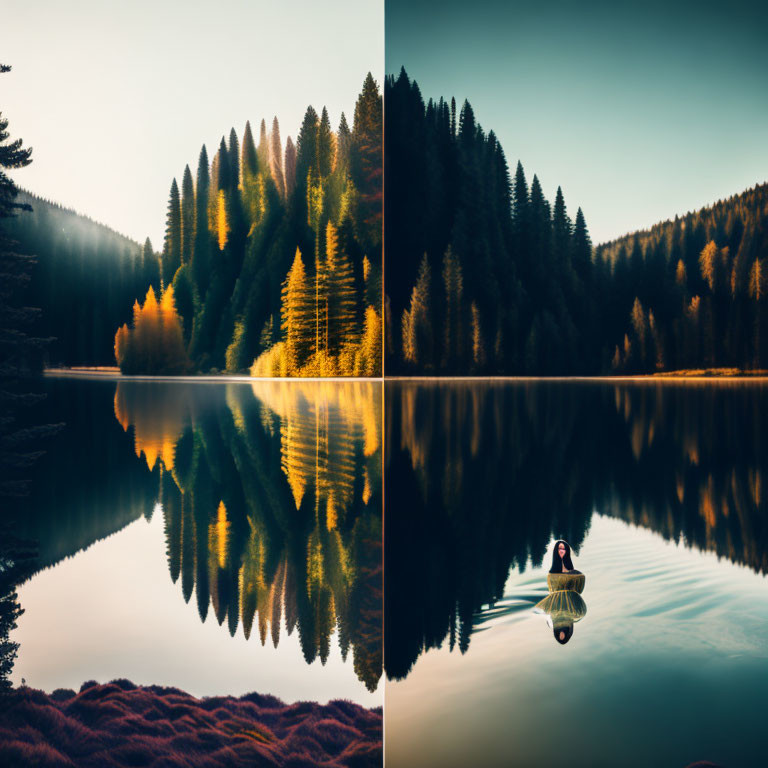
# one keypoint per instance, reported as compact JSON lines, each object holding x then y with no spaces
{"x":367,"y":169}
{"x":325,"y":149}
{"x":187,"y":216}
{"x":251,"y":184}
{"x":276,"y":158}
{"x":343,"y":146}
{"x":582,"y":247}
{"x":343,"y":327}
{"x":201,"y":257}
{"x":297,"y":315}
{"x":171,"y":259}
{"x":234,"y":161}
{"x":150,"y":266}
{"x":262,"y":150}
{"x":418,"y":342}
{"x":290,"y":167}
{"x":453,"y":283}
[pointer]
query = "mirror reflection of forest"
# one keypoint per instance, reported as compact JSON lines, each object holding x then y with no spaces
{"x":481,"y":476}
{"x":270,"y":497}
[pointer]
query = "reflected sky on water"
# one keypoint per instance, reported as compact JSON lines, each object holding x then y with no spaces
{"x":659,"y":488}
{"x":220,"y":538}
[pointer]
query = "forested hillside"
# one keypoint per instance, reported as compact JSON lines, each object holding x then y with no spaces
{"x":273,"y":254}
{"x":690,"y":292}
{"x":86,"y":279}
{"x":484,"y":276}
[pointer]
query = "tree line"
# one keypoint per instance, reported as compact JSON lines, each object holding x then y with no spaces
{"x":690,"y":292}
{"x":86,"y":278}
{"x":484,"y":276}
{"x":273,"y":250}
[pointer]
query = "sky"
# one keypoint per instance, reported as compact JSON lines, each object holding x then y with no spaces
{"x":115,"y":98}
{"x":639,"y":110}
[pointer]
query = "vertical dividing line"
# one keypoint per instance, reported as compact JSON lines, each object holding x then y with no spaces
{"x":383,"y":558}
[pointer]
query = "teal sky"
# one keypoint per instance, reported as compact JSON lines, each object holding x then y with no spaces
{"x":117,"y":97}
{"x":638,"y":110}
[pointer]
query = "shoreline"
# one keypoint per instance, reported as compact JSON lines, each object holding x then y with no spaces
{"x":711,"y":375}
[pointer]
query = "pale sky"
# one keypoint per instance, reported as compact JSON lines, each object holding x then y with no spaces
{"x":117,"y":97}
{"x":639,"y":109}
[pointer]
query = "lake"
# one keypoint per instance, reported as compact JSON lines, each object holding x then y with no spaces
{"x":659,"y":487}
{"x":220,"y":538}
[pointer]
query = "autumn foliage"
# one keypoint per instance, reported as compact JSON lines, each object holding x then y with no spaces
{"x":155,"y":343}
{"x":119,"y":723}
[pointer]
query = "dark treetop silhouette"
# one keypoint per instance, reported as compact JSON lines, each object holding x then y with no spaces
{"x":484,"y":276}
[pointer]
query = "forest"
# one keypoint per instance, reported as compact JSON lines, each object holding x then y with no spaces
{"x":270,"y":500}
{"x":271,"y":261}
{"x":85,"y":280}
{"x":272,"y":254}
{"x":485,"y":276}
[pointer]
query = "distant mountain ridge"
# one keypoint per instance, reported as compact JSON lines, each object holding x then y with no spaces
{"x":86,"y":279}
{"x":25,"y":196}
{"x":690,"y":291}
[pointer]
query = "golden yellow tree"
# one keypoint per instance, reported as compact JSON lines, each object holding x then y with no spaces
{"x":296,"y":315}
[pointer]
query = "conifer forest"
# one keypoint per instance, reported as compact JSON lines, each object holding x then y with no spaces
{"x":271,"y":261}
{"x":485,"y":276}
{"x":272,"y":264}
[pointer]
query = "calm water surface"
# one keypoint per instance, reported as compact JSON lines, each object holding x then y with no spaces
{"x":660,"y":489}
{"x":217,"y":537}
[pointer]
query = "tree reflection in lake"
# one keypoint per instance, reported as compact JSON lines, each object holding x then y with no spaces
{"x":269,"y":495}
{"x":480,"y":476}
{"x":271,"y":502}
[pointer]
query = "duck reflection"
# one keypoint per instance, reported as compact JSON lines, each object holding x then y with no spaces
{"x":564,"y":605}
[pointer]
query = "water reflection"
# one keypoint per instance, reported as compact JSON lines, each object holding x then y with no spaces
{"x":269,"y":498}
{"x":482,"y":476}
{"x":271,"y":507}
{"x":563,"y":608}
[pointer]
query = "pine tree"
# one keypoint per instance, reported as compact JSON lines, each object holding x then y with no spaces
{"x":453,"y":282}
{"x":297,"y":315}
{"x":561,"y":234}
{"x":370,"y":348}
{"x":582,"y":247}
{"x":367,"y":168}
{"x":276,"y":158}
{"x":234,"y":161}
{"x":222,"y":220}
{"x":171,"y":259}
{"x":306,"y":146}
{"x":187,"y":216}
{"x":223,"y":168}
{"x":343,"y":147}
{"x":150,"y":266}
{"x":262,"y":150}
{"x":250,"y":183}
{"x":201,"y":256}
{"x":417,"y":335}
{"x":173,"y":358}
{"x":290,"y":167}
{"x":325,"y":149}
{"x":341,"y":312}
